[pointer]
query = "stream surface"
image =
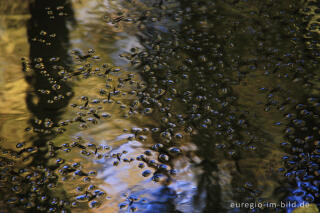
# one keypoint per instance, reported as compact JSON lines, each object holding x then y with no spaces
{"x":159,"y":106}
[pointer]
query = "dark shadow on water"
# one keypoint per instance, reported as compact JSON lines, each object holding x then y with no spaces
{"x":48,"y":37}
{"x":28,"y":189}
{"x":218,"y":50}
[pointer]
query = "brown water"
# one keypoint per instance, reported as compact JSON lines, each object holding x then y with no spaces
{"x":158,"y":106}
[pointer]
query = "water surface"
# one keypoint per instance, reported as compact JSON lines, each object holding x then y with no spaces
{"x":159,"y":106}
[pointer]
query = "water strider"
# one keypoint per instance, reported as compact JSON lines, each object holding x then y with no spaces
{"x":159,"y":106}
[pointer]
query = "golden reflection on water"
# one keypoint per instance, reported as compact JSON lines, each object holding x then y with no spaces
{"x":14,"y":114}
{"x":13,"y":87}
{"x":93,"y":30}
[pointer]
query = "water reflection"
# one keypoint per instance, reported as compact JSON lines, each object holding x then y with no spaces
{"x":165,"y":106}
{"x":27,"y":169}
{"x":214,"y":104}
{"x":48,"y":37}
